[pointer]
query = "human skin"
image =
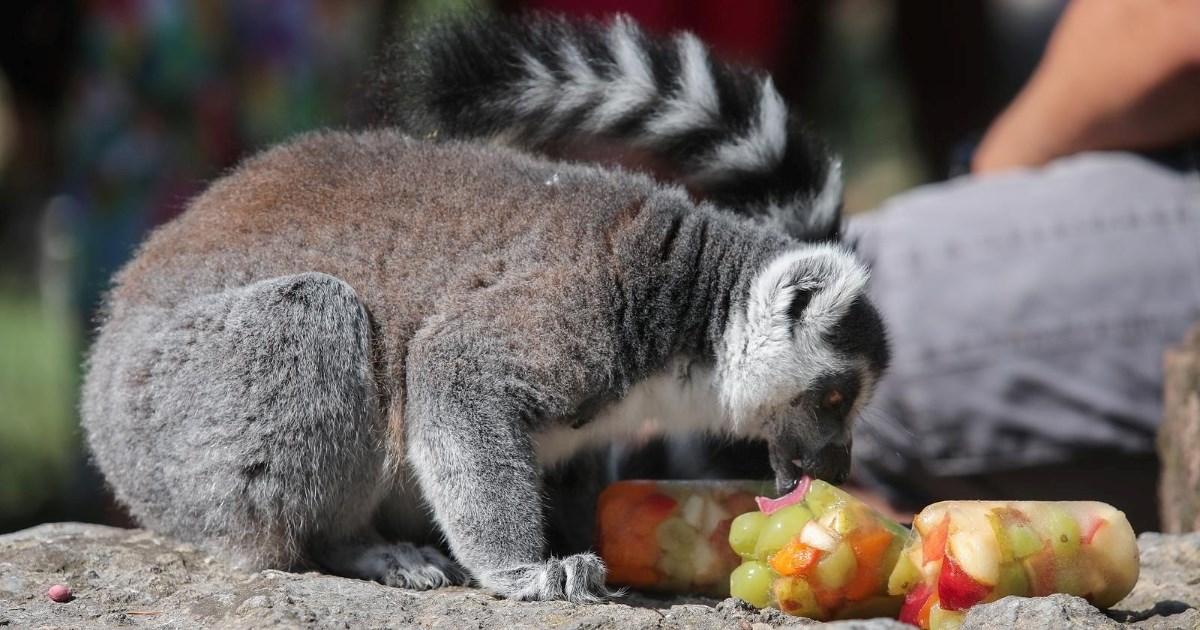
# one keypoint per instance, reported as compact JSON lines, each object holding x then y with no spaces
{"x":1117,"y":74}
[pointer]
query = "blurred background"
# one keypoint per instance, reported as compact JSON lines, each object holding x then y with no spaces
{"x":113,"y":113}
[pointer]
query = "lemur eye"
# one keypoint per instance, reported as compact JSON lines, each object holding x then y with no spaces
{"x":833,"y":398}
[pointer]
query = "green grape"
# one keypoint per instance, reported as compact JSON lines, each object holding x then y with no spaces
{"x":780,"y":528}
{"x":1023,"y":540}
{"x":744,"y":531}
{"x":1015,"y":536}
{"x":676,"y":536}
{"x":822,"y":495}
{"x":834,"y":569}
{"x":1060,"y":529}
{"x":677,"y":569}
{"x":752,"y":582}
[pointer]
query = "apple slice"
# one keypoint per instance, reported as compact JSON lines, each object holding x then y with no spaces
{"x":794,"y":596}
{"x":958,"y":589}
{"x":1092,"y":530}
{"x":906,"y":573}
{"x":1119,"y":558}
{"x":817,"y":535}
{"x":972,"y":542}
{"x":1040,"y":569}
{"x":914,"y":603}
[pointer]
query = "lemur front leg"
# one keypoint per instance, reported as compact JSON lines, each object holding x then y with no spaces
{"x":476,"y":387}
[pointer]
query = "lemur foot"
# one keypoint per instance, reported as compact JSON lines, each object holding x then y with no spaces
{"x":578,"y":579}
{"x":405,"y":565}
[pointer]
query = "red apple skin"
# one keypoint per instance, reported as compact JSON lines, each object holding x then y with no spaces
{"x":658,"y":504}
{"x":1086,"y":539}
{"x":910,"y":612}
{"x":957,"y":590}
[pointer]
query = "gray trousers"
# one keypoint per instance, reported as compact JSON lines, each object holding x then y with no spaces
{"x":1028,"y":313}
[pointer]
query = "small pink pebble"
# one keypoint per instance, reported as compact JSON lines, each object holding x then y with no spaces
{"x":60,"y":593}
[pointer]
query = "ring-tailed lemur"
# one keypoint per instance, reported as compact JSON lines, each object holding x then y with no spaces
{"x":359,"y":338}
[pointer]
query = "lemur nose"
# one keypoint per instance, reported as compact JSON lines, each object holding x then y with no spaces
{"x":831,"y":463}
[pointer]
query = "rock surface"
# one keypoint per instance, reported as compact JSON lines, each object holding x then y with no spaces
{"x":133,"y":578}
{"x":1179,"y":436}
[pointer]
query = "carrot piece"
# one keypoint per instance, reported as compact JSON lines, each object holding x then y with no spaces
{"x":795,"y":558}
{"x":923,"y":617}
{"x":868,"y":552}
{"x":935,"y":543}
{"x":628,"y":516}
{"x":617,"y":503}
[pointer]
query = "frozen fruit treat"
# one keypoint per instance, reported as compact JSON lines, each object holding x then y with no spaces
{"x":963,"y":553}
{"x":671,"y":535}
{"x":817,"y":552}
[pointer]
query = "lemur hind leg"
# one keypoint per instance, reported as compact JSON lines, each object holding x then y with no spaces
{"x":246,"y":420}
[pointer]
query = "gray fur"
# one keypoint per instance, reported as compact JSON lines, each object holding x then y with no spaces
{"x":350,"y":314}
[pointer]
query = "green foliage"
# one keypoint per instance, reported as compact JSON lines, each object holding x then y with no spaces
{"x":39,"y":442}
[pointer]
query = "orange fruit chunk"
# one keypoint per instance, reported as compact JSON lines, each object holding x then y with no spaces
{"x":935,"y":542}
{"x":795,"y":558}
{"x":923,"y":617}
{"x":628,"y":516}
{"x":868,"y":553}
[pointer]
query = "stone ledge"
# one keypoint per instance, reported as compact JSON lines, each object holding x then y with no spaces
{"x":135,"y":579}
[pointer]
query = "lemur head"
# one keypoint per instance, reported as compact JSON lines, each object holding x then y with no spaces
{"x":801,"y":359}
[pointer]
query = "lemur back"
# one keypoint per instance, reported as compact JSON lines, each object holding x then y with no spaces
{"x":358,"y":336}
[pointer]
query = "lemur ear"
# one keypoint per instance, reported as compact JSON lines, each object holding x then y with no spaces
{"x":800,"y":298}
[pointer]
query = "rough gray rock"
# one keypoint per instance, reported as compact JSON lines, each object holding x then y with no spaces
{"x":133,"y":578}
{"x":1179,"y":436}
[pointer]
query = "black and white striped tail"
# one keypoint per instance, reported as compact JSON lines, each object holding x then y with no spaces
{"x":540,"y":79}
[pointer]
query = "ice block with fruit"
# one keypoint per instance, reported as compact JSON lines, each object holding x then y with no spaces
{"x":963,"y":553}
{"x":671,"y":535}
{"x":817,"y":552}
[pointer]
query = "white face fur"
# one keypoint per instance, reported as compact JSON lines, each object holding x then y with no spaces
{"x":768,"y":358}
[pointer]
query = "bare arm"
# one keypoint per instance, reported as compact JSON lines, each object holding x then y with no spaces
{"x":1117,"y":74}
